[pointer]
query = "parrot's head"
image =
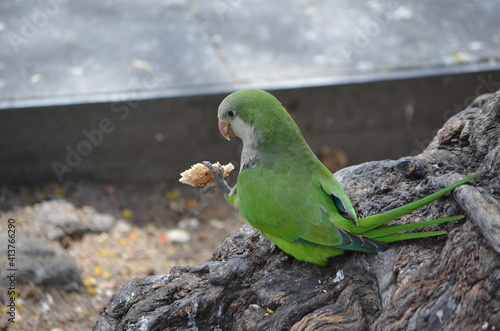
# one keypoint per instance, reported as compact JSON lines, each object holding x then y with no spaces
{"x":256,"y":117}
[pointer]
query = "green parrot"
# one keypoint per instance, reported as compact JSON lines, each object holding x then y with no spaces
{"x":285,"y":192}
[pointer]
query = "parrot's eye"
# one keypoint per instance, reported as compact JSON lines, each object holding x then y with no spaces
{"x":231,"y":113}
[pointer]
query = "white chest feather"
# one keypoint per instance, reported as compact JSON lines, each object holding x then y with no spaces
{"x":250,"y":153}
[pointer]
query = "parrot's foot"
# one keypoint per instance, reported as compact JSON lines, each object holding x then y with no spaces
{"x":218,"y":177}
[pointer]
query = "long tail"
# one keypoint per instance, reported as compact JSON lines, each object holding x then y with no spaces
{"x":388,"y":234}
{"x":374,"y":226}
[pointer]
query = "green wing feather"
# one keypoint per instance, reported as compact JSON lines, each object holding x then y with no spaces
{"x":340,"y":199}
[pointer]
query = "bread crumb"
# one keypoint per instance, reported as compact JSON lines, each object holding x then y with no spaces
{"x":199,"y":175}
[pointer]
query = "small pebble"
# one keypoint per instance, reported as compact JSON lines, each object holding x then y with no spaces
{"x":178,"y":236}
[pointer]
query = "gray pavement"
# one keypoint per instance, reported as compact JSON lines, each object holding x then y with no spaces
{"x":64,"y":52}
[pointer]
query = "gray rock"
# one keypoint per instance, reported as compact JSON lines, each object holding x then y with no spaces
{"x":57,"y":218}
{"x":42,"y":263}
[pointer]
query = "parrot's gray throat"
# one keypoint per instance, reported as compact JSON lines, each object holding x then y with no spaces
{"x":251,"y":155}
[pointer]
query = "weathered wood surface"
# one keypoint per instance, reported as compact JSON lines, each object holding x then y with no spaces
{"x":451,"y":282}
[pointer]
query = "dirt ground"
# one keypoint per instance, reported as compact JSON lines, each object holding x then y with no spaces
{"x":158,"y":226}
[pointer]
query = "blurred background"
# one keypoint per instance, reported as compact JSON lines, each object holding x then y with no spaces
{"x":104,"y":103}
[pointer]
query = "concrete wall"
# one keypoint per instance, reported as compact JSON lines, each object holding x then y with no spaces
{"x":154,"y":140}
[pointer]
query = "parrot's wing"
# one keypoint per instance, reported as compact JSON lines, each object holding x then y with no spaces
{"x":340,"y":198}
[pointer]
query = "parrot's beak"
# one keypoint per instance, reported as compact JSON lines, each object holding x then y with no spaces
{"x":225,"y":130}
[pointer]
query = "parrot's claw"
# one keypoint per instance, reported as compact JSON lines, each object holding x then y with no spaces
{"x":218,"y":177}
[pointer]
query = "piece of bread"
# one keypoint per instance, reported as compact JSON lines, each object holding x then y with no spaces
{"x":199,"y":175}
